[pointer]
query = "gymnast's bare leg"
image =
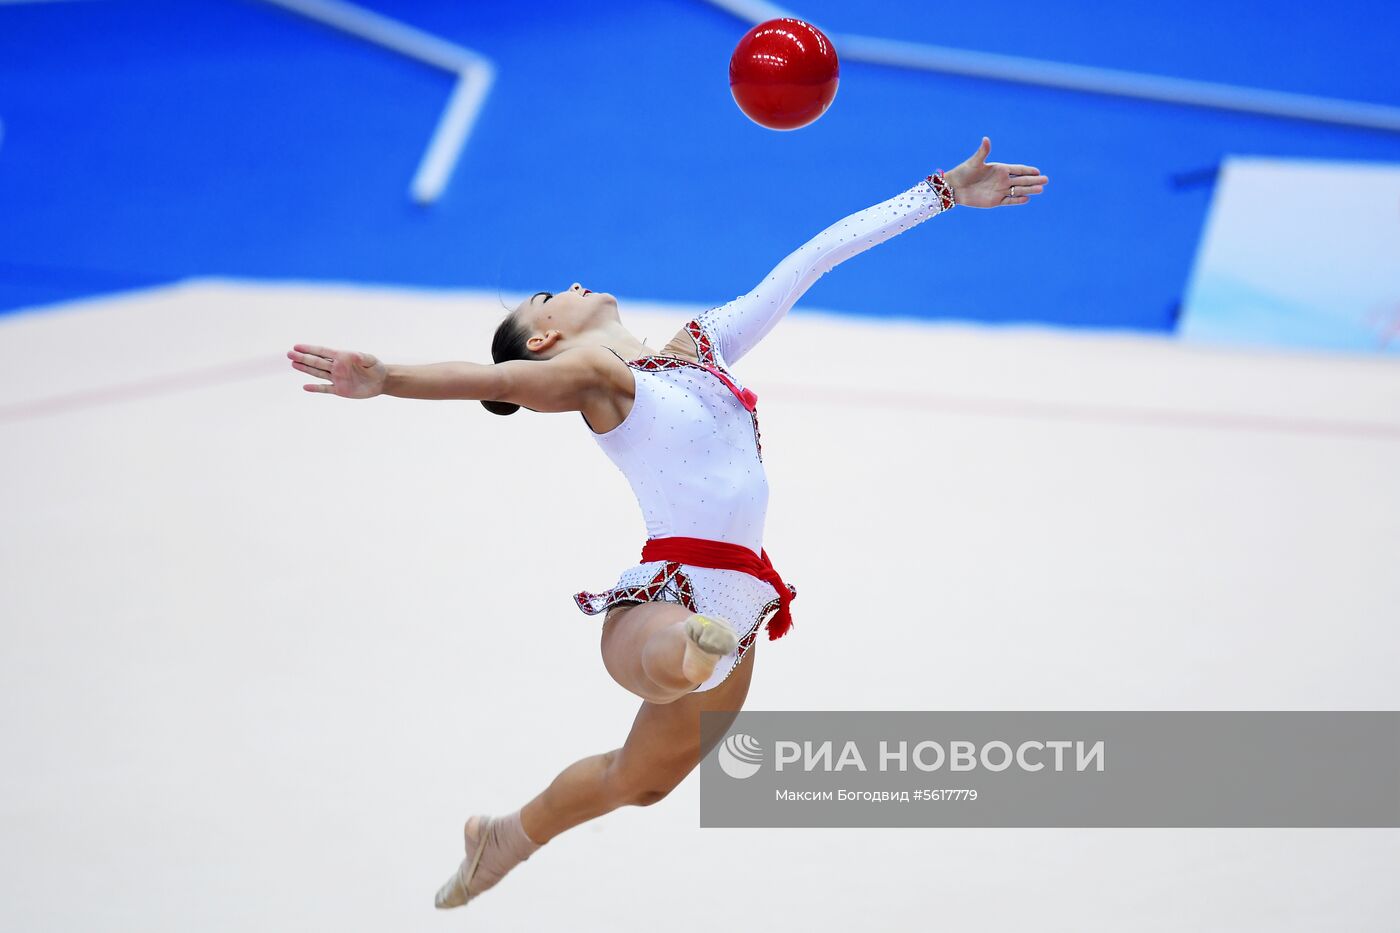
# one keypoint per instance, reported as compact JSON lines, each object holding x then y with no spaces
{"x":646,"y":645}
{"x":661,"y":749}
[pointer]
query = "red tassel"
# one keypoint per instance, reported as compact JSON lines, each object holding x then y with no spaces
{"x":780,"y":623}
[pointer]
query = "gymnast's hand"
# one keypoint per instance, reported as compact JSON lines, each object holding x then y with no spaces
{"x":351,"y":374}
{"x":979,"y":183}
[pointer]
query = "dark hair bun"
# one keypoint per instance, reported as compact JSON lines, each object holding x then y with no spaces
{"x":501,"y":408}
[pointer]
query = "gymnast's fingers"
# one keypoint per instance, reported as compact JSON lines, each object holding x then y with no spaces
{"x":309,"y":359}
{"x":324,"y":353}
{"x":311,"y":370}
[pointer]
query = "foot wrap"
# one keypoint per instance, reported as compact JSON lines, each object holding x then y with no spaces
{"x":495,"y":845}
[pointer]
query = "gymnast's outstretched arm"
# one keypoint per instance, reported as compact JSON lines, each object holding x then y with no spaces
{"x":739,"y":325}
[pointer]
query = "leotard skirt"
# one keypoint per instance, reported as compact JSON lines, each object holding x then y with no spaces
{"x":742,"y":600}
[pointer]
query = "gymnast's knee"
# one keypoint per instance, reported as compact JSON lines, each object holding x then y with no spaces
{"x":640,"y":790}
{"x":645,"y":793}
{"x":648,"y":797}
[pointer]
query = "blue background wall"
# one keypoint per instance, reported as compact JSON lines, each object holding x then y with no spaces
{"x":147,"y":141}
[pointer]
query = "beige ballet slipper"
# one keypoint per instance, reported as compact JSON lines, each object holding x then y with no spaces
{"x":500,"y":845}
{"x":453,"y":893}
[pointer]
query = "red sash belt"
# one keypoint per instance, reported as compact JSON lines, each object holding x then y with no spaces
{"x":721,"y":555}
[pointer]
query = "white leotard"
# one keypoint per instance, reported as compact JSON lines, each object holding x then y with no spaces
{"x":689,"y":447}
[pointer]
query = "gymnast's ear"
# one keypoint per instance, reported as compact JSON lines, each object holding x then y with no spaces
{"x":541,"y":343}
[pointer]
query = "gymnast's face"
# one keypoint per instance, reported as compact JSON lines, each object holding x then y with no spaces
{"x":555,"y":319}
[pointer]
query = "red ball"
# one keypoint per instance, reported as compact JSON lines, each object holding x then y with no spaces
{"x":783,"y":74}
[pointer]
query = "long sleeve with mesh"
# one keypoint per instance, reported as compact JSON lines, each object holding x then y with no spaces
{"x":739,"y":325}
